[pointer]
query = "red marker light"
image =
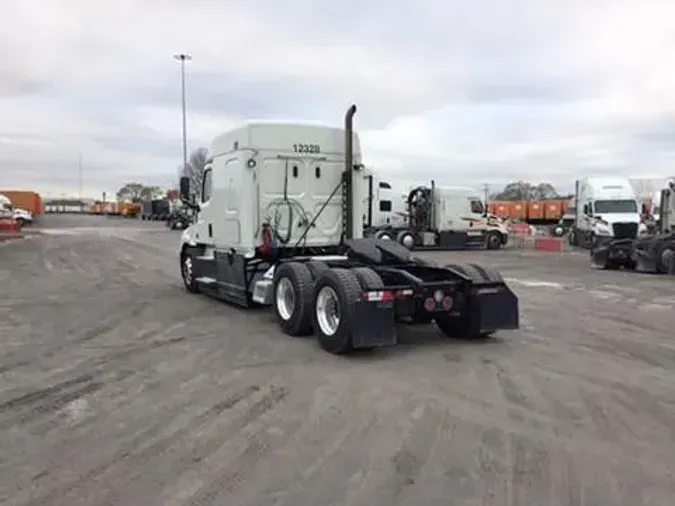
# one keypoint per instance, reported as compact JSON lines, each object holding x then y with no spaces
{"x":447,"y":303}
{"x":388,"y":296}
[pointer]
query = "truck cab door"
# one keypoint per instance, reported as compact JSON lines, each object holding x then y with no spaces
{"x":458,"y":212}
{"x":204,"y":225}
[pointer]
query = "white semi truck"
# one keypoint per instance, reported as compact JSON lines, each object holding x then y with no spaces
{"x":443,"y":218}
{"x":6,"y":207}
{"x":606,"y":208}
{"x":383,"y":202}
{"x":654,"y":253}
{"x":280,"y":224}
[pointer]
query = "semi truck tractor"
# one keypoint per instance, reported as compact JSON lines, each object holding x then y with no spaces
{"x":443,"y":218}
{"x":280,"y":224}
{"x":607,"y":217}
{"x":653,"y":253}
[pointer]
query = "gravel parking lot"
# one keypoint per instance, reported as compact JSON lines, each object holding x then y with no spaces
{"x":118,"y":387}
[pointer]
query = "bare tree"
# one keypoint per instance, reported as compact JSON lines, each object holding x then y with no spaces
{"x":522,"y":190}
{"x":131,"y":192}
{"x":195,"y":169}
{"x":137,"y":192}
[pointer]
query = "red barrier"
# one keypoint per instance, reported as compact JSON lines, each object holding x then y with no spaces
{"x":519,"y":229}
{"x":553,"y":244}
{"x":11,"y":226}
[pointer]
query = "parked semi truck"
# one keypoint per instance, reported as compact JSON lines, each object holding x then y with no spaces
{"x":384,"y":203}
{"x":155,"y":210}
{"x":606,"y":208}
{"x":443,"y":218}
{"x":280,"y":224}
{"x":653,"y":253}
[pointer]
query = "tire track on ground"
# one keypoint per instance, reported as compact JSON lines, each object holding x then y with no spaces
{"x":530,"y":477}
{"x":147,"y":447}
{"x":231,"y":477}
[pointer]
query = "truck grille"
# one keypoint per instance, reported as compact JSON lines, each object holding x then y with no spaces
{"x":625,"y":230}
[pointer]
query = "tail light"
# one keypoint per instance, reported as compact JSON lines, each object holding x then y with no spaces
{"x":447,"y":303}
{"x":379,"y":296}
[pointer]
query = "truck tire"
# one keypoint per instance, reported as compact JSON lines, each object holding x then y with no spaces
{"x":493,"y":240}
{"x":317,"y":267}
{"x":458,"y":327}
{"x":383,"y":234}
{"x":425,"y":262}
{"x":406,"y":239}
{"x":487,"y":273}
{"x":187,"y":271}
{"x":666,"y":259}
{"x":336,"y":291}
{"x":368,"y":278}
{"x":292,"y":292}
{"x":477,"y":273}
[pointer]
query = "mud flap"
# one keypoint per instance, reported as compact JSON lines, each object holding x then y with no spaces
{"x":374,"y":325}
{"x":492,"y":307}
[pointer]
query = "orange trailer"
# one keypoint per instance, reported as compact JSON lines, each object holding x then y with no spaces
{"x":28,"y":200}
{"x":535,"y":210}
{"x":500,"y":209}
{"x":518,"y":210}
{"x":553,"y":210}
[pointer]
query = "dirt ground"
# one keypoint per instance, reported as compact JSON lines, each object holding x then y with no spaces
{"x":118,"y":387}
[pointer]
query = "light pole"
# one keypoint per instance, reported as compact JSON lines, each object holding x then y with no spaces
{"x":183,"y":57}
{"x":79,"y":178}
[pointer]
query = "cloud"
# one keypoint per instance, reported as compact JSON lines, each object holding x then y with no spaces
{"x":464,"y":93}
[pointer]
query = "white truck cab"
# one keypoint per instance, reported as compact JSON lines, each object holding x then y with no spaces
{"x":461,"y":209}
{"x":6,"y":208}
{"x":272,"y":186}
{"x":277,"y":174}
{"x":383,"y":202}
{"x":606,"y":208}
{"x":444,"y":217}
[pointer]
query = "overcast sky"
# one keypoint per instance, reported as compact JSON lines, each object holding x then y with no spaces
{"x":475,"y":92}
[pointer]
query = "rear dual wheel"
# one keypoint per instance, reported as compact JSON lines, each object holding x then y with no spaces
{"x":461,"y":326}
{"x":315,"y":298}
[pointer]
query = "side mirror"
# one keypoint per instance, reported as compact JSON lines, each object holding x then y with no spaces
{"x":184,"y":188}
{"x":587,"y":210}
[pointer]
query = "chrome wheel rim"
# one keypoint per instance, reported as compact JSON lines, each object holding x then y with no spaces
{"x":187,"y":270}
{"x":327,"y":310}
{"x":285,"y":299}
